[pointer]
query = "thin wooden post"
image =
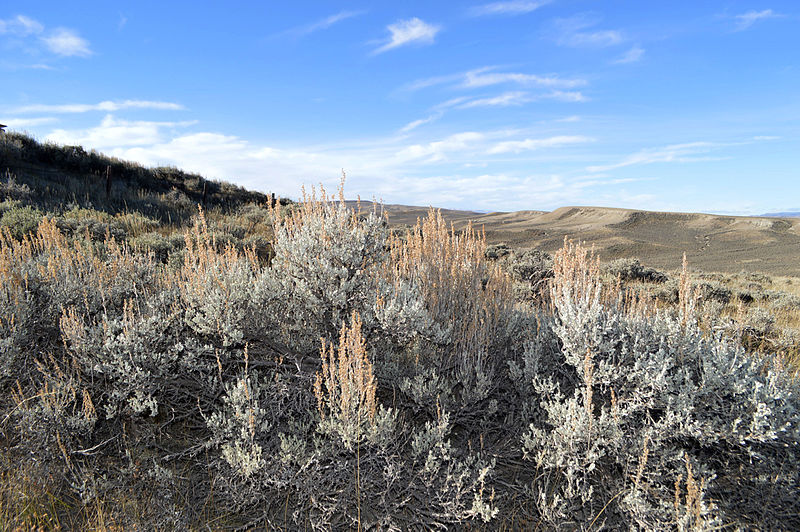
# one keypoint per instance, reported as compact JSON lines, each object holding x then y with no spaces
{"x":108,"y":182}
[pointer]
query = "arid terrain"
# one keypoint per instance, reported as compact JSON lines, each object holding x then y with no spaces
{"x":712,"y":243}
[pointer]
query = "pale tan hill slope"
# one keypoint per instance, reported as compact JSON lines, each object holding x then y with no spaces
{"x":712,"y":243}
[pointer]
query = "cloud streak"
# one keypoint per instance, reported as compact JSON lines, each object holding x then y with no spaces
{"x":674,"y":153}
{"x":578,"y":31}
{"x":20,"y":26}
{"x":105,"y":106}
{"x":484,"y":77}
{"x":518,"y":7}
{"x":322,"y":24}
{"x":633,"y":55}
{"x":488,"y":76}
{"x":405,"y":32}
{"x":745,"y":20}
{"x":517,"y":146}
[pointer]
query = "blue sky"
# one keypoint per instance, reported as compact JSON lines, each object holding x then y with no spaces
{"x":509,"y":105}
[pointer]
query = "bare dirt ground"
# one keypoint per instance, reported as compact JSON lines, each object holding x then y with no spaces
{"x":712,"y":243}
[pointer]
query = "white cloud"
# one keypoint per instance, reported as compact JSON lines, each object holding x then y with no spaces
{"x":516,"y":7}
{"x":438,"y":150}
{"x":105,"y":106}
{"x":483,"y":77}
{"x":510,"y":98}
{"x":631,"y":56}
{"x":60,"y":41}
{"x":487,"y":76}
{"x":446,"y":171}
{"x":115,"y":133}
{"x":20,"y":26}
{"x":23,"y":123}
{"x":565,"y":96}
{"x":322,"y":24}
{"x":502,"y":100}
{"x":675,"y":153}
{"x":409,"y":31}
{"x":573,"y":118}
{"x":67,"y":42}
{"x":422,"y":121}
{"x":576,"y":32}
{"x":745,"y":20}
{"x":517,"y":146}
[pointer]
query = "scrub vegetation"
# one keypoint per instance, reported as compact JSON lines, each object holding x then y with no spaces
{"x":262,"y":364}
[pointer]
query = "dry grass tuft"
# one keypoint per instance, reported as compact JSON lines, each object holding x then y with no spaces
{"x":349,"y":383}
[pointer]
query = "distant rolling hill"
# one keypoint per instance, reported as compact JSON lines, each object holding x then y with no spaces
{"x":711,"y":242}
{"x":788,"y":214}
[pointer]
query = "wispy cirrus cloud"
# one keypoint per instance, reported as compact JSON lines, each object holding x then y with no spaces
{"x":405,"y":32}
{"x":105,"y":106}
{"x":483,"y":77}
{"x":488,"y":75}
{"x":421,"y":122}
{"x":675,"y":153}
{"x":580,"y":31}
{"x":502,"y":100}
{"x":745,"y":20}
{"x":517,"y":146}
{"x":20,"y":26}
{"x":511,"y":98}
{"x":322,"y":24}
{"x":64,"y":42}
{"x":67,"y":42}
{"x":633,"y":55}
{"x":516,"y":7}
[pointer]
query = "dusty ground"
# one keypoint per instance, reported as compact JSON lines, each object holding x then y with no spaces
{"x":712,"y":243}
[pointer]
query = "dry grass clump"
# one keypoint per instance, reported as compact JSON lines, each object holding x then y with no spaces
{"x":348,"y":381}
{"x":467,"y":303}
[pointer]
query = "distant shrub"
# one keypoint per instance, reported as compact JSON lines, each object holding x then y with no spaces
{"x":745,"y":296}
{"x":497,"y":251}
{"x":759,"y":322}
{"x":11,"y":190}
{"x":530,"y":271}
{"x":713,"y":291}
{"x":633,"y":270}
{"x":757,"y":277}
{"x":19,"y":220}
{"x":784,"y":302}
{"x":155,"y":243}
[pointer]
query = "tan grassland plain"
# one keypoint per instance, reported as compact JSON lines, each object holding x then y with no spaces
{"x":712,"y":243}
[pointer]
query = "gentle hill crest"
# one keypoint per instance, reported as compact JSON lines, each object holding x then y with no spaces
{"x":711,"y":242}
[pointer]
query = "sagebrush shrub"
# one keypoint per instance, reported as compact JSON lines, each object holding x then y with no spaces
{"x":323,"y":268}
{"x":646,"y":395}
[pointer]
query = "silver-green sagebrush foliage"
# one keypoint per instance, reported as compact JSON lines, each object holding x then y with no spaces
{"x":351,"y":378}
